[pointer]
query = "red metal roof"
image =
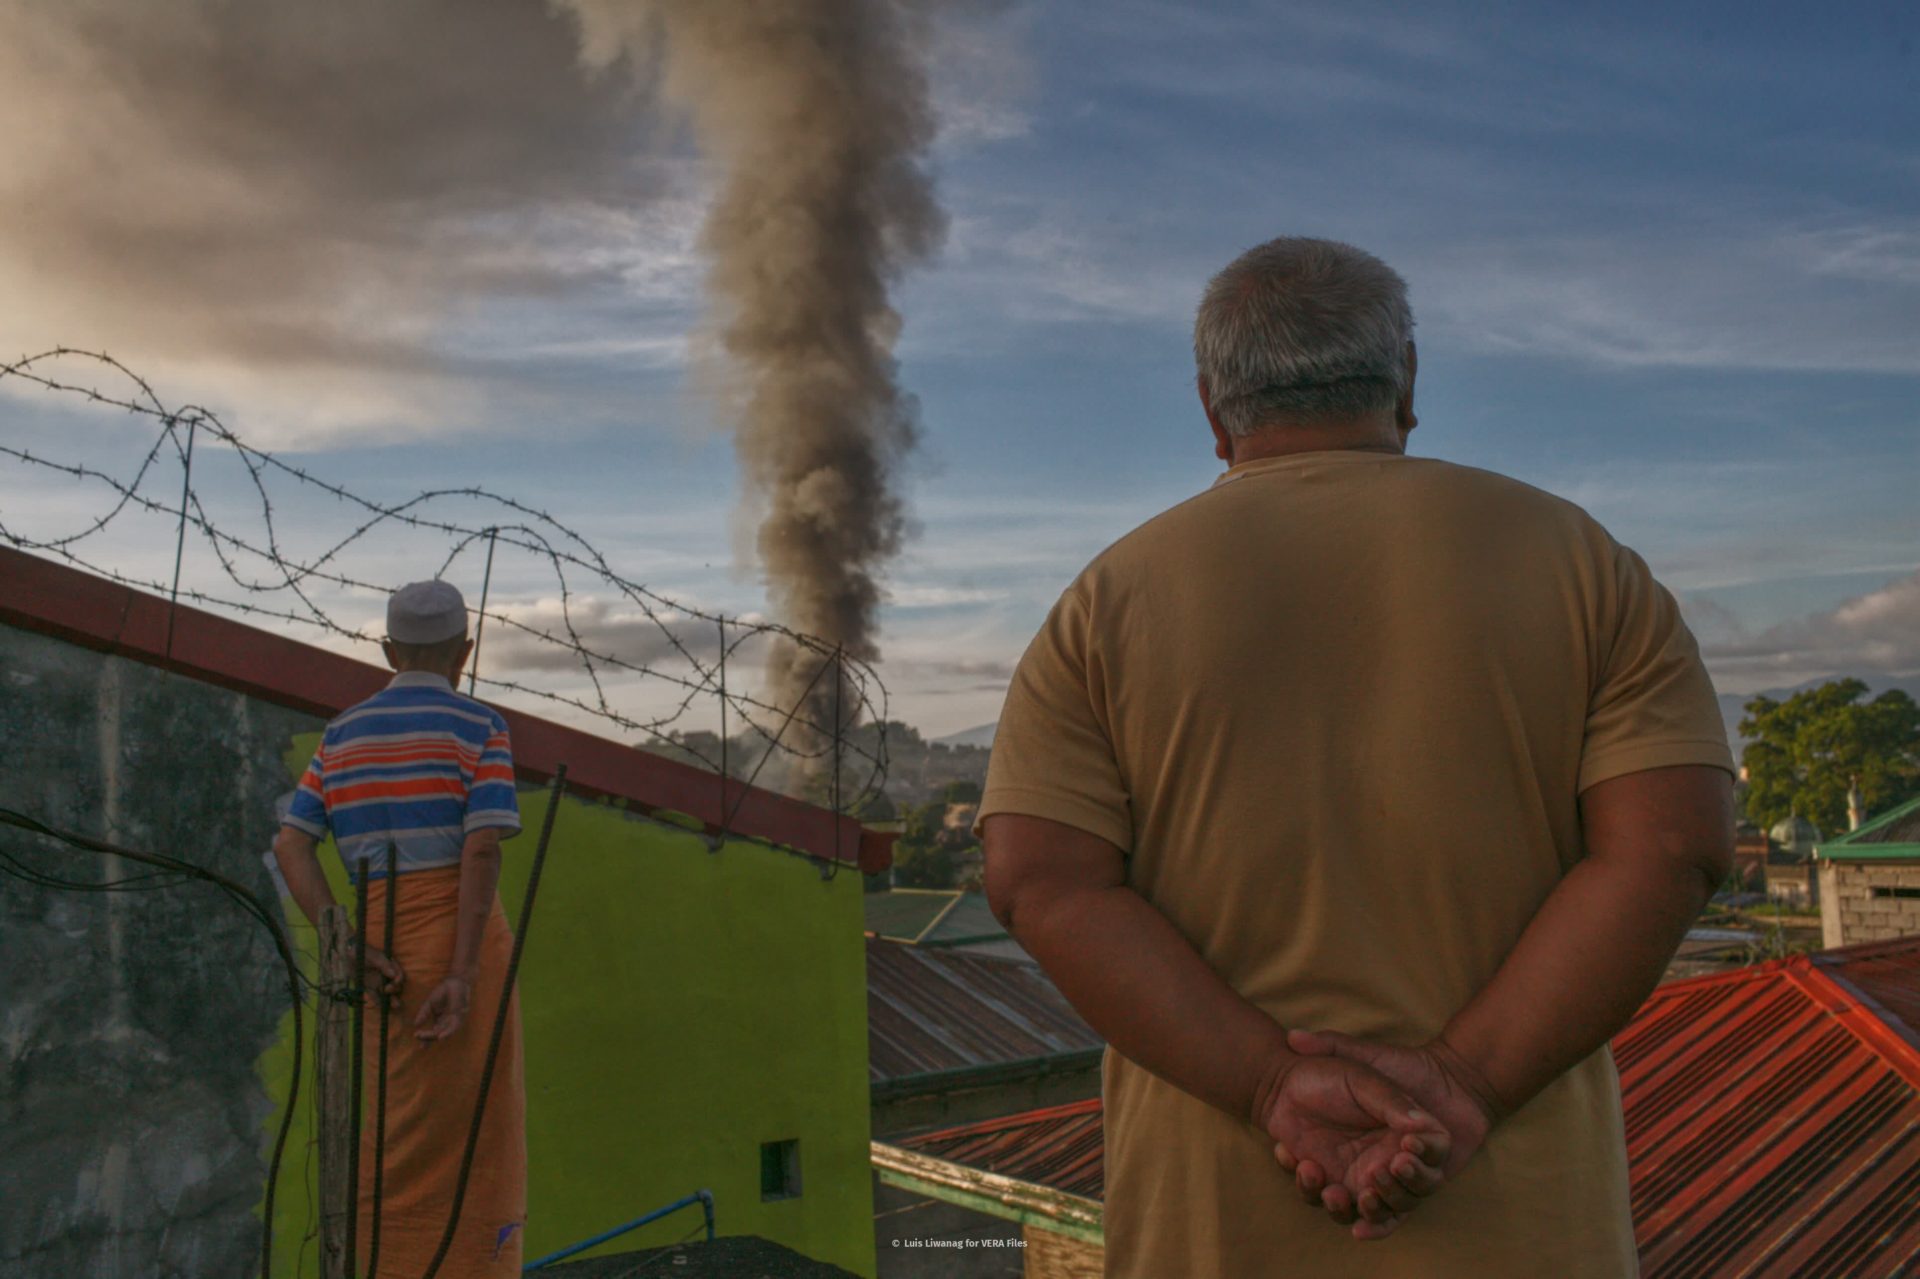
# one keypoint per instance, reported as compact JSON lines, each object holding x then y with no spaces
{"x":932,"y":1010}
{"x":1773,"y":1121}
{"x":1885,"y":976}
{"x":1060,"y":1147}
{"x":95,"y":613}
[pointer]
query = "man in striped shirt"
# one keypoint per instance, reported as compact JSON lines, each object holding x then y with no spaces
{"x":428,"y":771}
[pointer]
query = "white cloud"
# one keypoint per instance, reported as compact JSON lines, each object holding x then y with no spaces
{"x":1735,"y":296}
{"x":1877,"y":633}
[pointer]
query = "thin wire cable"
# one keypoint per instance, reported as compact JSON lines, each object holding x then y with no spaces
{"x":249,"y":902}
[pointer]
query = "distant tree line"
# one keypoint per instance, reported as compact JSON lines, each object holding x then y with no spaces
{"x":931,"y":854}
{"x":1804,"y":753}
{"x":918,"y":771}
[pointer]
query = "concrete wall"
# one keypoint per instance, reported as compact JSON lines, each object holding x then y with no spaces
{"x":1054,"y":1256}
{"x":132,"y":1021}
{"x":681,"y":1005}
{"x":1852,"y":912}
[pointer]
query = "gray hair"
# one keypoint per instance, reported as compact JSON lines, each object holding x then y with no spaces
{"x":1301,"y":330}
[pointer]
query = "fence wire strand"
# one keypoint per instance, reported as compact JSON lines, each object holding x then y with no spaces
{"x":270,"y":580}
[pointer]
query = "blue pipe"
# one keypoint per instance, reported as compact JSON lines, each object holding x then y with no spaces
{"x":702,"y":1197}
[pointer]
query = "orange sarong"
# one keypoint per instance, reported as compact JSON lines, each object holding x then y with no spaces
{"x":431,"y":1091}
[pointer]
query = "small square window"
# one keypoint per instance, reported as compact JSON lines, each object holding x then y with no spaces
{"x":780,"y":1169}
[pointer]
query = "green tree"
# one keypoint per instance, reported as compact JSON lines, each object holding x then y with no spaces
{"x":962,"y":792}
{"x":1803,"y":753}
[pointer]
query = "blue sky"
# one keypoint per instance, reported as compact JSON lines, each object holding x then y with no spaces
{"x":1664,"y":260}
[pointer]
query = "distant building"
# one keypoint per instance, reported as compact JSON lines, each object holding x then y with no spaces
{"x":1750,"y":849}
{"x":1788,"y":876}
{"x":1870,"y":879}
{"x":942,"y":918}
{"x":1772,"y":1118}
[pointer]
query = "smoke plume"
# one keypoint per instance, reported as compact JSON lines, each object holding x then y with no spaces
{"x":817,"y":112}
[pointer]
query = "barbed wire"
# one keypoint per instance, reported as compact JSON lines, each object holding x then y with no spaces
{"x":274,"y":582}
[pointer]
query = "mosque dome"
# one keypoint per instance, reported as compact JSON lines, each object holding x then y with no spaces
{"x":1795,"y":833}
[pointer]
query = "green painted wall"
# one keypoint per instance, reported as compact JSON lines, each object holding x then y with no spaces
{"x":680,"y":1006}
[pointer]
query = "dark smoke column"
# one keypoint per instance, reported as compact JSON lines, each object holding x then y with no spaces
{"x":818,"y":112}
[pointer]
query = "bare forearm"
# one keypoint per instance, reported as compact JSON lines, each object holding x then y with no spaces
{"x":300,"y":867}
{"x":1584,"y":965}
{"x":1145,"y":990}
{"x":479,"y":880}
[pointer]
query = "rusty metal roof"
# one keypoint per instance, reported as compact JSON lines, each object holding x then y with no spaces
{"x":936,"y":1010}
{"x":1060,"y":1147}
{"x":1883,"y":975}
{"x":1773,"y":1121}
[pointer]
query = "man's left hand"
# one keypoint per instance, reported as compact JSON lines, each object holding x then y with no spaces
{"x":1437,"y":1079}
{"x":1368,"y":1152}
{"x":444,"y":1009}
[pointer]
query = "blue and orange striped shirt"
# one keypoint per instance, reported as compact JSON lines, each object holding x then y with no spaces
{"x":416,"y":763}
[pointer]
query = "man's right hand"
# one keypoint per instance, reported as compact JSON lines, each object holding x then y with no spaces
{"x":1432,"y":1074}
{"x":1358,"y":1145}
{"x":393,"y":978}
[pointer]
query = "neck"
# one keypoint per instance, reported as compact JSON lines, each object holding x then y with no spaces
{"x":1358,"y":437}
{"x":451,"y":677}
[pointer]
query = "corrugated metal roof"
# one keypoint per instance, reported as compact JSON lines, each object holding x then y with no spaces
{"x":930,"y":1010}
{"x":971,"y":919}
{"x":932,"y":916}
{"x":1773,"y":1121}
{"x":905,"y":913}
{"x":1893,"y":834}
{"x":1060,"y":1147}
{"x":1884,"y":974}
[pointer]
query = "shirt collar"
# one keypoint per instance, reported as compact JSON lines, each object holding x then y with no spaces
{"x":420,"y":679}
{"x":1295,"y":461}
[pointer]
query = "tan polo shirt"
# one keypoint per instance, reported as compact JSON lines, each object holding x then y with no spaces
{"x":1337,"y":711}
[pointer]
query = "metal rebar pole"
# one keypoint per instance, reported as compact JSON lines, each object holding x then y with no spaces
{"x":554,"y":794}
{"x":480,"y":620}
{"x":357,"y":1068}
{"x":380,"y":1085}
{"x":723,"y":728}
{"x":180,"y":539}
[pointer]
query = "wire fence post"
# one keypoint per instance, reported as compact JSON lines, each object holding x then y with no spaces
{"x":723,"y":731}
{"x":331,"y":1072}
{"x":839,"y":746}
{"x":180,"y":539}
{"x":480,"y":622}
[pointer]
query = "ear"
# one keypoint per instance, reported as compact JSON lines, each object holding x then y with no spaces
{"x":386,"y":650}
{"x":1222,"y":442}
{"x":1403,"y":411}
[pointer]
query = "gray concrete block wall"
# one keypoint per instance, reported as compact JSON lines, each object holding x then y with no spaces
{"x":133,"y":1022}
{"x":1852,"y":913}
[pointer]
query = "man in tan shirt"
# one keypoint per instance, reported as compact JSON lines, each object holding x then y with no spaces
{"x":1368,"y":744}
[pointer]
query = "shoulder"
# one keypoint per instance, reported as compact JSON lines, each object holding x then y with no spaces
{"x":479,"y":712}
{"x":1478,"y":484}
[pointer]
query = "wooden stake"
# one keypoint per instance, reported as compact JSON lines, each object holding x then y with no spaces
{"x":332,"y":1084}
